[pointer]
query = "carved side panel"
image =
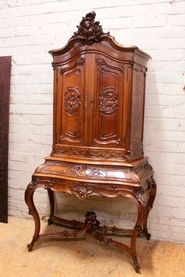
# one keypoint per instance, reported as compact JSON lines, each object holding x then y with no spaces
{"x":137,"y":117}
{"x":71,"y":103}
{"x":109,"y":97}
{"x":5,"y":68}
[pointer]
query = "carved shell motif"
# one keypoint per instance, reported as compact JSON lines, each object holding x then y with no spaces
{"x":89,"y":31}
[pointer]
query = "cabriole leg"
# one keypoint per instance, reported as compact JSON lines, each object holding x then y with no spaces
{"x":141,"y":209}
{"x":32,"y":211}
{"x":52,"y":205}
{"x":152,"y":194}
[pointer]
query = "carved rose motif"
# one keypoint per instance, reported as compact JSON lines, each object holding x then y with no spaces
{"x":108,"y":101}
{"x":72,"y":101}
{"x":89,"y":31}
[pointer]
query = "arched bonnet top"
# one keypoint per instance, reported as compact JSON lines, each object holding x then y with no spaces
{"x":90,"y":38}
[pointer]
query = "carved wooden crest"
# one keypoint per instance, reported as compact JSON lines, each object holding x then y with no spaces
{"x":89,"y":30}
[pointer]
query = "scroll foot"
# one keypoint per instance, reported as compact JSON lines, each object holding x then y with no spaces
{"x":146,"y":234}
{"x":136,"y":265}
{"x":137,"y":269}
{"x":50,"y":221}
{"x":30,"y":247}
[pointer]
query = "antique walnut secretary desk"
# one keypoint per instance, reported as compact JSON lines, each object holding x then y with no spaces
{"x":99,"y":91}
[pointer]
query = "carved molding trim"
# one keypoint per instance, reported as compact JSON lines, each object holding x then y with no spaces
{"x":103,"y":66}
{"x":85,"y":171}
{"x":89,"y":30}
{"x":88,"y":153}
{"x":108,"y":155}
{"x":78,"y":62}
{"x":143,"y":169}
{"x":83,"y":190}
{"x":65,"y":171}
{"x":148,"y":185}
{"x":72,"y":152}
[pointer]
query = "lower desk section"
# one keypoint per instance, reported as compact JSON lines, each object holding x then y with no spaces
{"x":83,"y":181}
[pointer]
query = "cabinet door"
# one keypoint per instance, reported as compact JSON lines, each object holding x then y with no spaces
{"x":107,"y":103}
{"x":70,"y":102}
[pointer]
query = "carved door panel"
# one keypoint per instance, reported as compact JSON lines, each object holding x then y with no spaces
{"x":108,"y":126}
{"x":71,"y":103}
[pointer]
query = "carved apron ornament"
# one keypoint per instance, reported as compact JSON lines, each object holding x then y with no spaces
{"x":81,"y":191}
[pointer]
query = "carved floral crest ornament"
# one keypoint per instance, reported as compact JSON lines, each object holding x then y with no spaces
{"x":89,"y":31}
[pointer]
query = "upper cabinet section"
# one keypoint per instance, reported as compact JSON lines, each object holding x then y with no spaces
{"x":98,"y":106}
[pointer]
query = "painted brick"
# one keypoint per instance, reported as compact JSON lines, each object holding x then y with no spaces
{"x":56,"y":7}
{"x":182,"y":125}
{"x":169,"y":147}
{"x":77,"y":5}
{"x":117,"y":3}
{"x":116,"y":23}
{"x":181,"y":147}
{"x":10,"y":33}
{"x":178,"y":19}
{"x":8,"y":12}
{"x":171,"y":202}
{"x":149,"y":21}
{"x":19,"y":60}
{"x":29,"y":10}
{"x":178,"y":213}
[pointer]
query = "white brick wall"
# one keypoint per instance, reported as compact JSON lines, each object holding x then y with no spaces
{"x":29,"y":29}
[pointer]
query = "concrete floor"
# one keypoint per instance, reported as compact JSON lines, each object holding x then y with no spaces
{"x":84,"y":257}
